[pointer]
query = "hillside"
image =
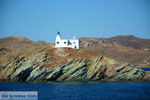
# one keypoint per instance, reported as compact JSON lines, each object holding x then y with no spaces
{"x":128,"y":41}
{"x":14,"y":40}
{"x":122,"y":48}
{"x":98,"y":59}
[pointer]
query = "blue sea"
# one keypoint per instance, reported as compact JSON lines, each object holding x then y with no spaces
{"x":145,"y":68}
{"x":83,"y":90}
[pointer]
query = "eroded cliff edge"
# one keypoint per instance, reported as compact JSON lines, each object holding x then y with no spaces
{"x":34,"y":68}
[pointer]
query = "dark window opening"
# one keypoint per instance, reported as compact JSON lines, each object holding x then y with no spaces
{"x":57,"y":42}
{"x":64,"y":42}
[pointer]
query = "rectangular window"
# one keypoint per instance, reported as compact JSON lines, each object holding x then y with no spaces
{"x":64,"y":42}
{"x":57,"y":42}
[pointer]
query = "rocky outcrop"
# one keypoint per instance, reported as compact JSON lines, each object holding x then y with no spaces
{"x":79,"y":69}
{"x":24,"y":60}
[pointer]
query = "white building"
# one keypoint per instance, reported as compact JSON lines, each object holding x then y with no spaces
{"x":71,"y":43}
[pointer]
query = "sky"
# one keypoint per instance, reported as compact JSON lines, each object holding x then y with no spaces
{"x":40,"y":20}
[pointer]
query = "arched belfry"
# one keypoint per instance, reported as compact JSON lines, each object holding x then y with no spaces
{"x":70,"y":43}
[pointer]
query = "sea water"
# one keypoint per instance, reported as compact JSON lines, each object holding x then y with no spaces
{"x":83,"y":90}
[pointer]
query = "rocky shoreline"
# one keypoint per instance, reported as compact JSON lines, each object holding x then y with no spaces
{"x":97,"y":69}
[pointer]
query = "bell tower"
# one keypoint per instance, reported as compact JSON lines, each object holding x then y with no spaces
{"x":58,"y":37}
{"x":58,"y":40}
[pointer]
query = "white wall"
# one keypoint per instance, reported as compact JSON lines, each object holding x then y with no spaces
{"x":75,"y":43}
{"x":61,"y":43}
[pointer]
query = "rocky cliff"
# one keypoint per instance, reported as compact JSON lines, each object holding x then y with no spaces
{"x":39,"y":61}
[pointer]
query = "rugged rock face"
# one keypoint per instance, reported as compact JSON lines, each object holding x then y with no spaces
{"x":80,"y":69}
{"x":39,"y":61}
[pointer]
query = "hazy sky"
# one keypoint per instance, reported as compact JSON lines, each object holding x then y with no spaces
{"x":41,"y":19}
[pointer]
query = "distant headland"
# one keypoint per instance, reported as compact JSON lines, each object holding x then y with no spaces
{"x":96,"y":59}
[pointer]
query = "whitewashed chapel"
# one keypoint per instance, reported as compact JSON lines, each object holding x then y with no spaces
{"x":70,"y":43}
